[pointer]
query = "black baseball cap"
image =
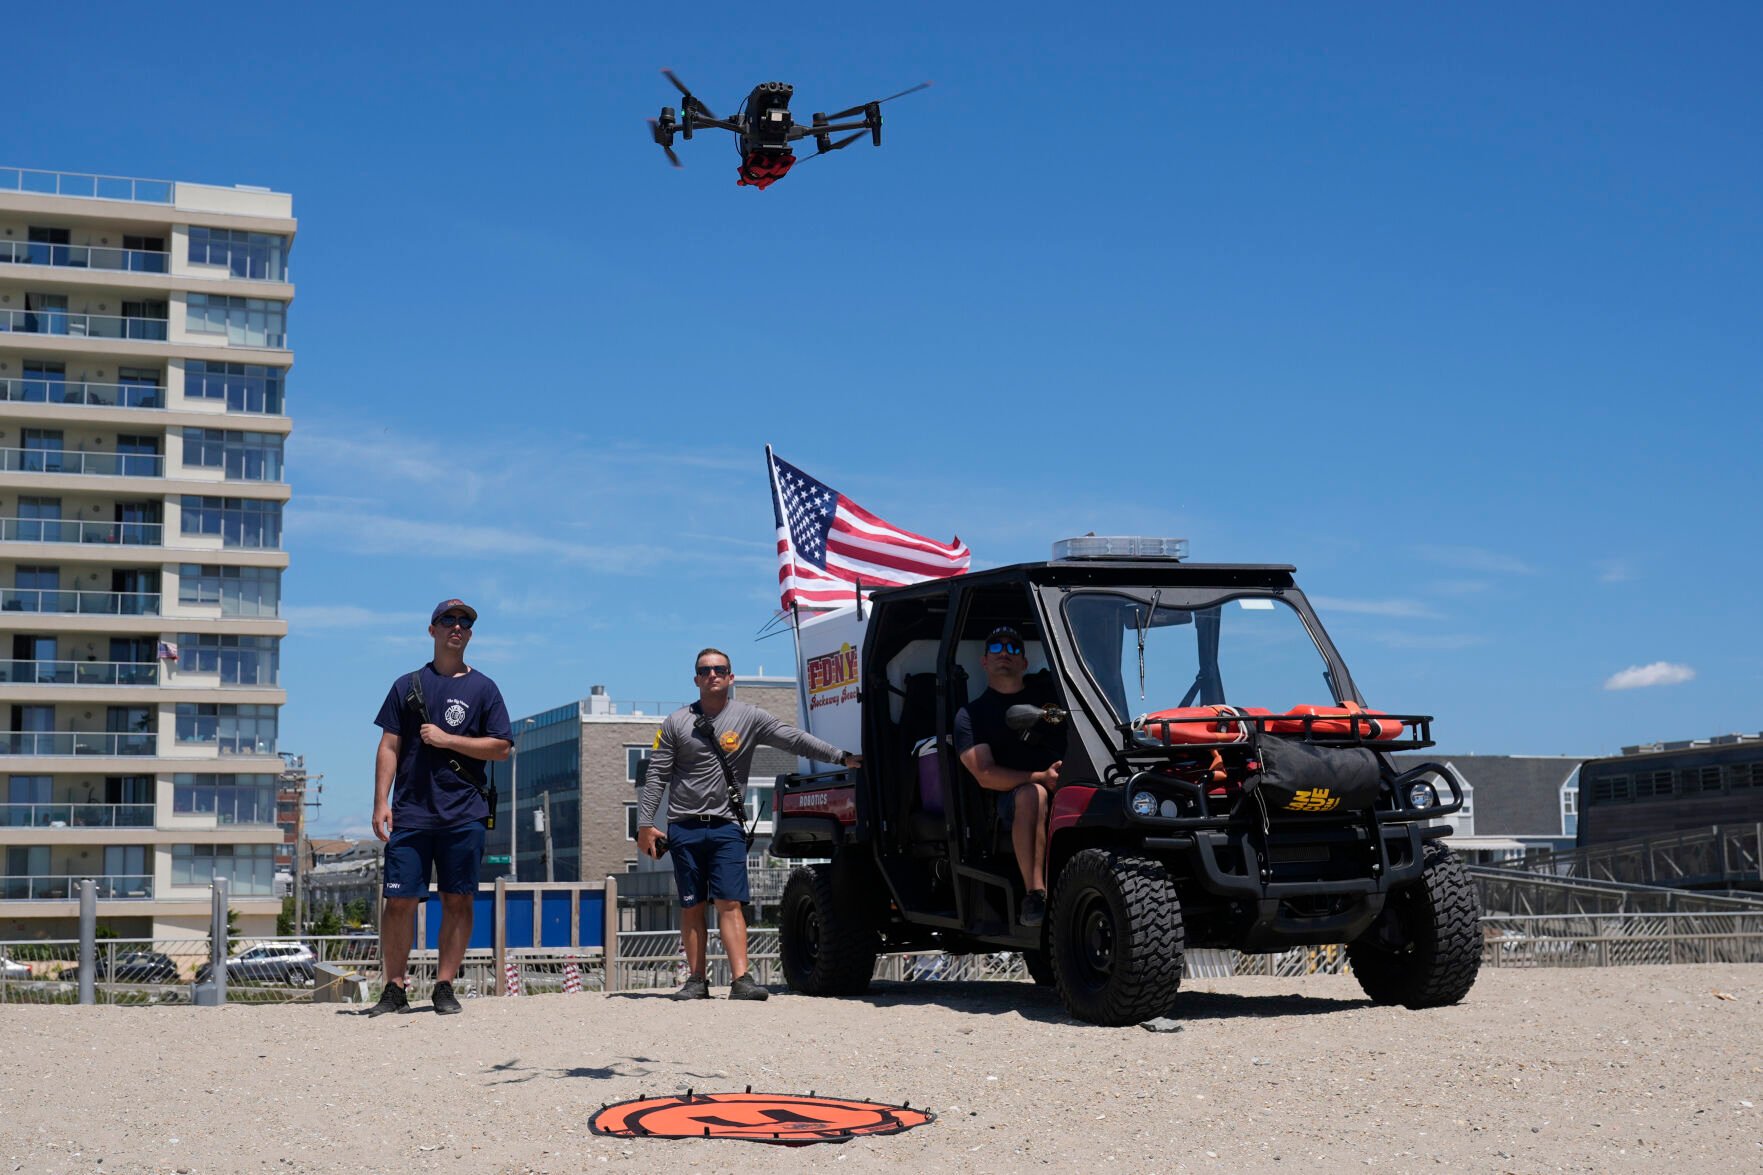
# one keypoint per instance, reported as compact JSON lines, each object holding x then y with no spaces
{"x":1004,"y":632}
{"x":453,"y":606}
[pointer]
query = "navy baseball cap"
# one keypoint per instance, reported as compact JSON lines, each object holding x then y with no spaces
{"x":453,"y":606}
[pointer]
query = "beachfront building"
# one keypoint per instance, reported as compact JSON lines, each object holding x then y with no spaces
{"x":586,"y":760}
{"x":143,"y":367}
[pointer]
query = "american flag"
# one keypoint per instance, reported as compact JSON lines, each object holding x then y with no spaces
{"x":827,"y":544}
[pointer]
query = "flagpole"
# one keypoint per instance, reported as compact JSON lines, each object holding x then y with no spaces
{"x":777,"y":505}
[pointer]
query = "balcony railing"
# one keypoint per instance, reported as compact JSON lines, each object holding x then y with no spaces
{"x":80,"y":672}
{"x":57,"y":391}
{"x":78,"y":462}
{"x":51,"y":888}
{"x":76,"y":815}
{"x":86,"y":603}
{"x":57,"y":530}
{"x":84,"y":256}
{"x":88,"y":326}
{"x":88,"y":187}
{"x":76,"y":742}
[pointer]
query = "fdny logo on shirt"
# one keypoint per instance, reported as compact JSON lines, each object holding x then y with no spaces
{"x":731,"y":741}
{"x":455,"y":712}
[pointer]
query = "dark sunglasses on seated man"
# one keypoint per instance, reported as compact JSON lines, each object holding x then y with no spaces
{"x":453,"y":620}
{"x":714,"y":671}
{"x":1011,"y":647}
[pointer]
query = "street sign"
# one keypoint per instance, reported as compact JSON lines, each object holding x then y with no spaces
{"x":496,"y":860}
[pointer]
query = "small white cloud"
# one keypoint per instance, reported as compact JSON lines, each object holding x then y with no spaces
{"x":1476,"y":559}
{"x":311,"y":616}
{"x":1614,"y":571}
{"x":1402,"y":608}
{"x":1658,"y":673}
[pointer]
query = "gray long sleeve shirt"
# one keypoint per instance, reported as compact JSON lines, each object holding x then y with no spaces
{"x":683,"y":764}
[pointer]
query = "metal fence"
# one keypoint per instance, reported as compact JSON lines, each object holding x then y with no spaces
{"x":161,"y":971}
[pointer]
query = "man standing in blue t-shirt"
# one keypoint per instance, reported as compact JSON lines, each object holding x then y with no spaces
{"x":440,"y":724}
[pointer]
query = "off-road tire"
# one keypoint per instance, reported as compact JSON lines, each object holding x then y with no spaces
{"x":1039,"y":966}
{"x":825,"y":942}
{"x":1424,"y":951}
{"x":1117,"y":938}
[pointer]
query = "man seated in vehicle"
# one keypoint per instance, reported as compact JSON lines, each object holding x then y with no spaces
{"x":1002,"y":760}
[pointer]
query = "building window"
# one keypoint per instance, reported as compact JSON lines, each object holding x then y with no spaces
{"x":244,"y":456}
{"x":630,"y":822}
{"x":634,"y":758}
{"x":759,"y":797}
{"x":246,"y":387}
{"x":240,"y":522}
{"x":235,"y":730}
{"x":239,"y":660}
{"x":239,"y":591}
{"x":248,"y":869}
{"x":257,"y":256}
{"x":630,"y":864}
{"x":246,"y":322}
{"x":230,"y":799}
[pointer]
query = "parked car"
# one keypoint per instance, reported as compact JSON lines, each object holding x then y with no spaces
{"x":11,"y":970}
{"x":284,"y":964}
{"x":130,"y":967}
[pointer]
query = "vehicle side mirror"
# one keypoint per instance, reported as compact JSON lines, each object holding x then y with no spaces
{"x":1023,"y":719}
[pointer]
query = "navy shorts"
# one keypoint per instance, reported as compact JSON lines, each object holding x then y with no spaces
{"x":454,"y":854}
{"x":709,"y":861}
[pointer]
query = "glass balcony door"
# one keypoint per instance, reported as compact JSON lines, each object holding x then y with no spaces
{"x":39,"y":519}
{"x":45,"y":450}
{"x":45,"y":314}
{"x":45,"y":382}
{"x":137,"y":456}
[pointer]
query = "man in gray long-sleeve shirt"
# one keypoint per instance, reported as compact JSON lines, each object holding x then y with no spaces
{"x":704,"y":830}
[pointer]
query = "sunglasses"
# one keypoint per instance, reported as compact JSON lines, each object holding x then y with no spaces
{"x":1011,"y":647}
{"x":453,"y":620}
{"x":714,"y":671}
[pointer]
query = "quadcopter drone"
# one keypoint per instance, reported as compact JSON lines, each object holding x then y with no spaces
{"x":766,"y":130}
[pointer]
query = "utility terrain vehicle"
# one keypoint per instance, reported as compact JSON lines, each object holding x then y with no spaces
{"x":1223,"y":786}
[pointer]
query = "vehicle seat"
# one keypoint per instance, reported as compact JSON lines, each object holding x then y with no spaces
{"x":918,"y":726}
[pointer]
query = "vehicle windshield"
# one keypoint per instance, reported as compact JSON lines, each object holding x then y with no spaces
{"x":1149,"y":655}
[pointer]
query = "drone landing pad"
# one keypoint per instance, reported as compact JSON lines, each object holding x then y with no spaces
{"x":785,"y":1119}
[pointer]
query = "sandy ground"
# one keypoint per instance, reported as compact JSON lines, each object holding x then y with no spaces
{"x":1639,"y":1068}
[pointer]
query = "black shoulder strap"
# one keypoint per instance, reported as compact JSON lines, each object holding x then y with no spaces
{"x":414,"y":701}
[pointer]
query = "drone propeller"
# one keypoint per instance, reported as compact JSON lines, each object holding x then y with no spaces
{"x":655,"y":133}
{"x":840,"y":144}
{"x":866,"y":105}
{"x":692,"y":100}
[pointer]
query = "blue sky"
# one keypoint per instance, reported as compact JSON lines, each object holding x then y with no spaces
{"x":1457,"y":312}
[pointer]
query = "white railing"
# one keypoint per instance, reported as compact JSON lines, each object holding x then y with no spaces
{"x":89,"y":326}
{"x":84,"y":256}
{"x":76,"y":815}
{"x":59,"y":391}
{"x":77,"y":461}
{"x":80,"y":672}
{"x":60,"y":530}
{"x":76,"y":742}
{"x":87,"y":603}
{"x":84,"y":186}
{"x":35,"y":887}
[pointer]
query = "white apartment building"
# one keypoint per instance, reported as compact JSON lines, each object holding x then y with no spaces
{"x":143,"y":368}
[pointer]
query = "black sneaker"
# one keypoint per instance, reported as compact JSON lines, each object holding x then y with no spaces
{"x":743,"y":988}
{"x":445,"y":1003}
{"x":1034,"y":908}
{"x":695,"y":988}
{"x":392,"y":999}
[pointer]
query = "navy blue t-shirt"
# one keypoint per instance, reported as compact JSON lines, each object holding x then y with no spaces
{"x":427,"y":792}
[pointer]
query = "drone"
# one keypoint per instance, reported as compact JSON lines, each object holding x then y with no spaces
{"x":766,"y":130}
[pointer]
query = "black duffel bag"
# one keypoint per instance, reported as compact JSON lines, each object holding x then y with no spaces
{"x":1303,"y":777}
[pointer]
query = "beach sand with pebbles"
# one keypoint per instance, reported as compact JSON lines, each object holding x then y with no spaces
{"x":1641,"y":1068}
